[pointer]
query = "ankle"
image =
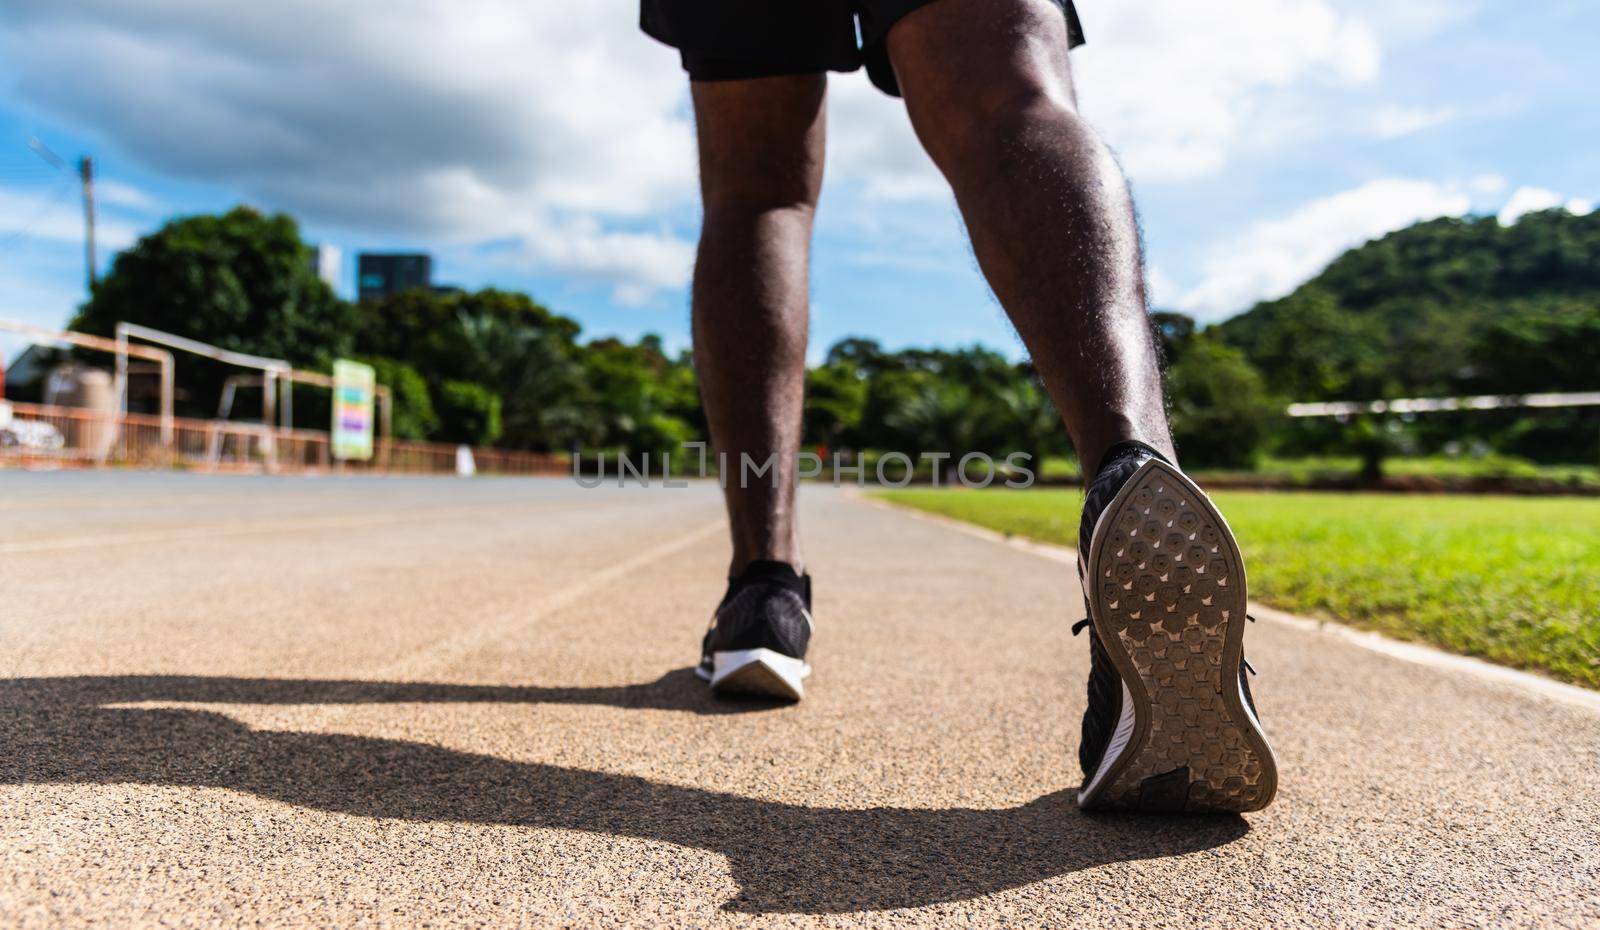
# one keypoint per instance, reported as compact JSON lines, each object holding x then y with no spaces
{"x":1132,"y":448}
{"x":1098,"y":448}
{"x":739,"y":565}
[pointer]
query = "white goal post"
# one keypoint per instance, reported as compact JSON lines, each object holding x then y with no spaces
{"x":270,"y":368}
{"x":278,"y":378}
{"x":122,"y":350}
{"x":1344,"y":408}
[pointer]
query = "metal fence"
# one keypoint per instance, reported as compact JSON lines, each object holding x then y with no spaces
{"x":35,"y":435}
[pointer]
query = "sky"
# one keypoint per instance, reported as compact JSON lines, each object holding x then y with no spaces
{"x":548,"y":147}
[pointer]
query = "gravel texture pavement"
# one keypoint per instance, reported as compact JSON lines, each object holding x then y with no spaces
{"x":403,"y":702}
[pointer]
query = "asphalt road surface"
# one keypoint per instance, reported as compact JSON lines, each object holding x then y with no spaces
{"x":291,"y":701}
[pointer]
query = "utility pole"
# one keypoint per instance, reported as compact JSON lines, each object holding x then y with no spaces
{"x":86,"y":173}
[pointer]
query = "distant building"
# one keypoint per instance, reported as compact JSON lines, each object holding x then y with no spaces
{"x":327,"y":262}
{"x":24,"y":376}
{"x":380,"y":275}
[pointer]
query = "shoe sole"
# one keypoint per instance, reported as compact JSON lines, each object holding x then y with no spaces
{"x":761,"y":672}
{"x":1166,"y":589}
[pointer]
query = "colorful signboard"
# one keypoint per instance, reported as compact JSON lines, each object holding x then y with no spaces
{"x":354,"y":387}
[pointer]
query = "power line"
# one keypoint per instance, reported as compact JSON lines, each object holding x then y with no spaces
{"x":50,"y":202}
{"x":85,"y":174}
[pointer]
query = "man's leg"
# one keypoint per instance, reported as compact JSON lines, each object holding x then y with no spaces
{"x":761,"y":147}
{"x":990,"y":94}
{"x":1170,"y":723}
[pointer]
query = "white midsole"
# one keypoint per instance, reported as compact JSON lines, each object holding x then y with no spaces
{"x":1124,"y":731}
{"x":1238,"y":682}
{"x":791,"y":670}
{"x":1119,"y":741}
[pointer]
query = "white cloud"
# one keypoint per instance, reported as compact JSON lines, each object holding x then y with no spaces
{"x":1413,"y":20}
{"x":1160,"y":289}
{"x":458,"y":121}
{"x":1175,"y":87}
{"x":1178,"y":86}
{"x":39,"y":286}
{"x":561,"y":128}
{"x":55,"y":214}
{"x":119,"y":194}
{"x":1526,"y":200}
{"x":639,"y":261}
{"x":1271,"y":257}
{"x":1393,"y":122}
{"x":870,"y":140}
{"x":1486,"y":185}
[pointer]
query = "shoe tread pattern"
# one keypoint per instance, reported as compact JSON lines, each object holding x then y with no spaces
{"x":1170,"y":602}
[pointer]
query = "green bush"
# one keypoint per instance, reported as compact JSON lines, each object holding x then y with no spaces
{"x":414,"y":416}
{"x":1220,"y":409}
{"x":469,"y":413}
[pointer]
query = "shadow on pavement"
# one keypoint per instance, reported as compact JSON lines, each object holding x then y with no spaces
{"x":785,"y":857}
{"x":678,"y":689}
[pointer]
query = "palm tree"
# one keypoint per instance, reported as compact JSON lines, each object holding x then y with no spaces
{"x":943,"y":417}
{"x":1028,"y":420}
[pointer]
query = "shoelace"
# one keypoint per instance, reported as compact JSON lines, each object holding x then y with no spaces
{"x":1081,"y":624}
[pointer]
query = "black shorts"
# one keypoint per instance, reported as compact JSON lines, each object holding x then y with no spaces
{"x":724,"y":40}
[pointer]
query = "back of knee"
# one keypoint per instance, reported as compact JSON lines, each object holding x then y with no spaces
{"x":776,"y":181}
{"x":741,"y":214}
{"x":976,"y":121}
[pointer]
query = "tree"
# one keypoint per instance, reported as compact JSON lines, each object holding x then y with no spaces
{"x":470,"y":414}
{"x":414,"y":416}
{"x":1028,"y":421}
{"x":1446,"y":306}
{"x":1372,"y":439}
{"x":836,"y":397}
{"x":1173,"y":331}
{"x":1310,"y":347}
{"x":518,"y":350}
{"x":1220,"y":408}
{"x":529,"y":356}
{"x":863,"y":356}
{"x":640,"y":397}
{"x":940,"y":417}
{"x":1541,"y":346}
{"x":240,"y":280}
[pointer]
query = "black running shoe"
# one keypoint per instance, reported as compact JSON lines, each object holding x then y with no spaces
{"x":758,"y":636}
{"x":1171,"y":724}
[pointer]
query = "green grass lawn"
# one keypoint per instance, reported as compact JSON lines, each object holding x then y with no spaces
{"x":1489,"y":466}
{"x":1307,"y":469}
{"x":1515,"y":580}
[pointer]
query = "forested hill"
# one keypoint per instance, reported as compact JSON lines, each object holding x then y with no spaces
{"x":1444,"y":306}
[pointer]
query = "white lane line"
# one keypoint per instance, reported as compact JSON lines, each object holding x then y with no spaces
{"x":1434,"y":658}
{"x":218,"y":530}
{"x":1414,"y":653}
{"x":425,"y":662}
{"x":52,"y":504}
{"x":440,"y":654}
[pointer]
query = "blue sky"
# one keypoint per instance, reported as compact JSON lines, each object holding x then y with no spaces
{"x":547,"y":147}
